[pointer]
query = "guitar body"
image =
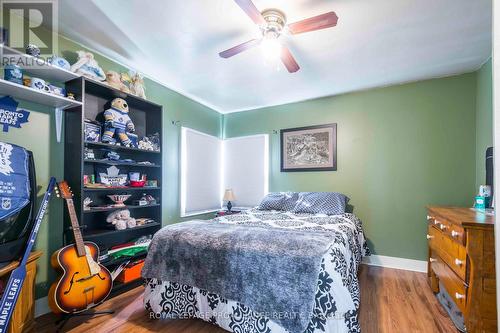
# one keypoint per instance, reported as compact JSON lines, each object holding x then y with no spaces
{"x":84,"y":282}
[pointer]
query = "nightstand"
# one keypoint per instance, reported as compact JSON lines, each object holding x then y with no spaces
{"x":225,"y":212}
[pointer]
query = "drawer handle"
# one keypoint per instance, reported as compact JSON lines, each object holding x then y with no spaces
{"x":455,"y":233}
{"x":436,"y":222}
{"x":430,"y":237}
{"x":432,"y":260}
{"x":442,"y":227}
{"x":459,"y":296}
{"x":458,"y":262}
{"x":429,"y":217}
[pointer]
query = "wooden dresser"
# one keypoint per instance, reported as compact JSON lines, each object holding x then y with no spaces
{"x":462,"y":258}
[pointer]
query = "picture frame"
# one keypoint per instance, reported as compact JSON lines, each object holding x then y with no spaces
{"x":310,"y":148}
{"x":92,"y":131}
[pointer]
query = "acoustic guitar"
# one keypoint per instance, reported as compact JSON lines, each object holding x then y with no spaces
{"x":84,"y":282}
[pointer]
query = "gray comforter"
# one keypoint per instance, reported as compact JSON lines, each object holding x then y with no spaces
{"x":271,"y":271}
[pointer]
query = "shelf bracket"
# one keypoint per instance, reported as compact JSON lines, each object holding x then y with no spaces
{"x":58,"y":114}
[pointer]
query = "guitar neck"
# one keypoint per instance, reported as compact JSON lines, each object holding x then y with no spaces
{"x":80,"y":247}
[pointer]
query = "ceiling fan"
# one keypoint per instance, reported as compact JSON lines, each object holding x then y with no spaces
{"x":272,"y":23}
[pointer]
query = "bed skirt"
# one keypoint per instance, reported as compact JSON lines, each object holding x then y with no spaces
{"x":169,"y":300}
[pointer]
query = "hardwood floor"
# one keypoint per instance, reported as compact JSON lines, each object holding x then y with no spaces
{"x":391,"y":301}
{"x":394,"y":300}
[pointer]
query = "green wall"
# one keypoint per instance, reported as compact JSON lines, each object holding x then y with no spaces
{"x":39,"y":136}
{"x":400,"y":148}
{"x":484,"y":119}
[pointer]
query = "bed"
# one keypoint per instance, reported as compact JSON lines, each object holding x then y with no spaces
{"x":261,"y":280}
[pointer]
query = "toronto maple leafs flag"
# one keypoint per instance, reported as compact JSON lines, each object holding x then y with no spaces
{"x":14,"y":179}
{"x":10,"y":116}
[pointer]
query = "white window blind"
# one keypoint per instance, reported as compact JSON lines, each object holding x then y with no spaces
{"x":246,"y":168}
{"x":201,"y":172}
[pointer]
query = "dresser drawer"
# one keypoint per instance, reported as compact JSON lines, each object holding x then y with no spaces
{"x":452,"y":283}
{"x":452,"y":253}
{"x":450,"y":229}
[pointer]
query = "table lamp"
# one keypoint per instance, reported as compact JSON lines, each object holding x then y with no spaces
{"x":229,"y":196}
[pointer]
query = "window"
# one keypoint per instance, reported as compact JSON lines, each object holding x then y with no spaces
{"x":245,"y":162}
{"x":209,"y":165}
{"x":201,"y":175}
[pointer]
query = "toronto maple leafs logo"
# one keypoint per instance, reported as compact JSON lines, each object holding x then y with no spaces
{"x":5,"y":163}
{"x":10,"y":115}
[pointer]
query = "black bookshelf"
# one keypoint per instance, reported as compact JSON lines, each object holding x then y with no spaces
{"x":110,"y":162}
{"x":147,"y":117}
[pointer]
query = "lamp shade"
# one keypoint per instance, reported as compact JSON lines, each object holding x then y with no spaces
{"x":229,"y":195}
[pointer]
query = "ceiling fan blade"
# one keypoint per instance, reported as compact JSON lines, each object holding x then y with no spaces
{"x":289,"y":60}
{"x":239,"y":48}
{"x":252,"y":11}
{"x":322,"y":21}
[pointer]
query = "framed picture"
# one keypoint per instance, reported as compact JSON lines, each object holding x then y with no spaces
{"x":312,"y":148}
{"x":92,"y":131}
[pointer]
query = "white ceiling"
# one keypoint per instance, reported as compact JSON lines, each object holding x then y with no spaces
{"x":376,"y":43}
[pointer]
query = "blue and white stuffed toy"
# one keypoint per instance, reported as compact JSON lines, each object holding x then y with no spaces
{"x":117,"y":123}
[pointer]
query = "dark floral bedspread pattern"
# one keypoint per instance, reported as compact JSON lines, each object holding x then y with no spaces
{"x":337,"y":295}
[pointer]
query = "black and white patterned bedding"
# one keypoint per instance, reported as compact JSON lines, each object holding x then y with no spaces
{"x":337,"y":295}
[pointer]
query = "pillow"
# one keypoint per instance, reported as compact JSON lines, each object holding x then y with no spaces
{"x":272,"y":201}
{"x":330,"y":203}
{"x":290,"y":200}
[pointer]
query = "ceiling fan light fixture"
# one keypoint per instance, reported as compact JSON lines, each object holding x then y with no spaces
{"x":272,"y":22}
{"x":270,"y":47}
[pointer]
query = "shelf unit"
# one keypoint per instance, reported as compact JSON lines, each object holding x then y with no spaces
{"x":119,"y":148}
{"x":37,"y":67}
{"x":110,"y":209}
{"x":37,"y":96}
{"x":119,"y":190}
{"x":110,"y":162}
{"x":102,"y":232}
{"x":147,"y":117}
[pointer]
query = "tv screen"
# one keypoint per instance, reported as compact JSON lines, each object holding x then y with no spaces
{"x":489,"y":168}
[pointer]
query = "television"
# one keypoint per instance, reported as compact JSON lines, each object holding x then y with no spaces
{"x":489,"y":168}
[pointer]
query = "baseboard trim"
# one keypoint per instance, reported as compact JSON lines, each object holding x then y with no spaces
{"x":41,"y":306}
{"x":397,"y":263}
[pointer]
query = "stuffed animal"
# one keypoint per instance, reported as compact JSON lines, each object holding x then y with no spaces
{"x":117,"y":123}
{"x":136,"y":83}
{"x":145,"y":144}
{"x":88,"y":66}
{"x":114,"y":80}
{"x":121,"y":219}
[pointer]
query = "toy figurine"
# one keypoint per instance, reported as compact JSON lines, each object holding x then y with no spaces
{"x":113,"y":79}
{"x":117,"y":123}
{"x":33,"y":50}
{"x":86,"y":203}
{"x":136,"y":83}
{"x":88,"y":66}
{"x":145,"y":144}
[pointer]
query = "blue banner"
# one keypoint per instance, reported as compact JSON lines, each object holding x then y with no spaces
{"x":14,"y":179}
{"x":10,"y":115}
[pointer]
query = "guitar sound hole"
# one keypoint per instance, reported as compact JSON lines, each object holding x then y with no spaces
{"x":71,"y":283}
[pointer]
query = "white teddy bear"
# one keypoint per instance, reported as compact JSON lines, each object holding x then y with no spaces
{"x":121,"y":219}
